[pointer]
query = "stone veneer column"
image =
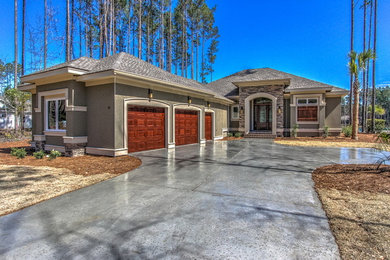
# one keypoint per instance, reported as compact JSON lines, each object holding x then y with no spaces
{"x":276,"y":91}
{"x":75,"y":146}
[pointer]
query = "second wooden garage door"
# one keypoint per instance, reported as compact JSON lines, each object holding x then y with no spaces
{"x":186,"y":127}
{"x":146,"y":128}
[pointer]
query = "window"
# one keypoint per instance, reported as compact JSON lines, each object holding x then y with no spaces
{"x":56,"y":115}
{"x":235,"y":112}
{"x":307,"y":110}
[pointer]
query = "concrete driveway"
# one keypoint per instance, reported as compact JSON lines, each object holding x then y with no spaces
{"x":248,"y":199}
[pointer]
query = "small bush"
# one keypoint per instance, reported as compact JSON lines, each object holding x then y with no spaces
{"x":380,"y":125}
{"x":326,"y":131}
{"x":54,"y":154}
{"x":237,"y":135}
{"x":18,"y":152}
{"x":383,"y":145}
{"x":39,"y":155}
{"x":230,"y":134}
{"x":294,"y":131}
{"x":347,"y":131}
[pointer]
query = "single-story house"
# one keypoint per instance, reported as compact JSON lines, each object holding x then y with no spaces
{"x":121,"y":104}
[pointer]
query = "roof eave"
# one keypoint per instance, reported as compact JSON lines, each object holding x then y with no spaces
{"x":67,"y":70}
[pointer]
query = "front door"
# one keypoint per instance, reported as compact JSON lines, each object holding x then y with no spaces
{"x":263,"y":116}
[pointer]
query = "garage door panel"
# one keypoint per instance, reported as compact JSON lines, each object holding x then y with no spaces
{"x":146,"y":128}
{"x":186,"y":127}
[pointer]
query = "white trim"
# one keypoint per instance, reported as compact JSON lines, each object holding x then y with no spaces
{"x":171,"y":145}
{"x":76,"y":108}
{"x":75,"y":139}
{"x":232,"y":118}
{"x":151,"y":103}
{"x":200,"y":119}
{"x":247,"y":110}
{"x":49,"y":147}
{"x":63,"y":91}
{"x":320,"y":103}
{"x":55,"y":132}
{"x":106,"y":151}
{"x":39,"y":138}
{"x":46,"y":119}
{"x":218,"y":138}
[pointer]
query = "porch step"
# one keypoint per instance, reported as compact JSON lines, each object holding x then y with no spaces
{"x":260,"y":135}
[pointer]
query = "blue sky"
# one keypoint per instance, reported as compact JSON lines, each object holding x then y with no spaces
{"x":309,"y":38}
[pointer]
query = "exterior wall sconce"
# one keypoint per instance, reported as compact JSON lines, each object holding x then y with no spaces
{"x":150,"y":94}
{"x":208,"y":104}
{"x":189,"y":100}
{"x":279,"y":110}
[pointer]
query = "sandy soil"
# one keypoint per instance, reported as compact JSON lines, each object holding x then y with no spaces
{"x":356,"y":199}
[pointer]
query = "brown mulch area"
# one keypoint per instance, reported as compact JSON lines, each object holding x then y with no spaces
{"x":353,"y":177}
{"x":365,"y":138}
{"x":356,"y":199}
{"x":83,"y":165}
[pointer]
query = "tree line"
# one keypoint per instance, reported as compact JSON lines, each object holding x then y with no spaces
{"x":179,"y":36}
{"x":362,"y":69}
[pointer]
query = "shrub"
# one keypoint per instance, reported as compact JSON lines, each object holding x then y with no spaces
{"x":383,"y":145}
{"x":326,"y":131}
{"x":18,"y":152}
{"x":39,"y":155}
{"x":379,"y":125}
{"x":237,"y":135}
{"x":294,"y":131}
{"x":54,"y":154}
{"x":347,"y":131}
{"x":230,"y":134}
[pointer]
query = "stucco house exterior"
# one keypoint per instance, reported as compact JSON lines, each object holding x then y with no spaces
{"x":121,"y":104}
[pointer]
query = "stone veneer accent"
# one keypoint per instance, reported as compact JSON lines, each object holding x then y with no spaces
{"x":73,"y":150}
{"x":276,"y":91}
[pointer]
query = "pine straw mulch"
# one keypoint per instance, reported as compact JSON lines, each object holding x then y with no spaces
{"x":364,"y":141}
{"x":25,"y":182}
{"x":356,"y":199}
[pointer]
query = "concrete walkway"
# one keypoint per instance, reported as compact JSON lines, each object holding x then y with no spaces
{"x":248,"y":199}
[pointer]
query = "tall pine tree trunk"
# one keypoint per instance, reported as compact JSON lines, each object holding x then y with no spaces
{"x":45,"y":34}
{"x":364,"y":74}
{"x":23,"y":36}
{"x":140,"y":29}
{"x":101,"y":30}
{"x":67,"y":31}
{"x":15,"y":44}
{"x":169,"y":49}
{"x":71,"y":51}
{"x":373,"y":71}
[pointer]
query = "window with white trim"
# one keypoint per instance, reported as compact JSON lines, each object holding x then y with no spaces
{"x":55,"y":115}
{"x":307,"y":109}
{"x":235,"y":112}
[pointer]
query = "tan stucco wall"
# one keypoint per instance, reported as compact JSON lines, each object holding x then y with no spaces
{"x":333,"y":112}
{"x":76,"y":120}
{"x":125,"y":92}
{"x":100,"y":116}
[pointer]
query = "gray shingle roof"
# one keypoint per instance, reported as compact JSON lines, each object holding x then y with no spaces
{"x":128,"y":63}
{"x":226,"y":87}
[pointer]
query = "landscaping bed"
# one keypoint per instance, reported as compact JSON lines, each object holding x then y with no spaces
{"x":356,"y":199}
{"x":364,"y":141}
{"x":27,"y":181}
{"x":231,"y":138}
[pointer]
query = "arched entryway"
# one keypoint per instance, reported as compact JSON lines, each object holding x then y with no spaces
{"x":260,"y":113}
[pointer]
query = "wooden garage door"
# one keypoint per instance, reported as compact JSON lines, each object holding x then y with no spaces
{"x":146,"y":128}
{"x":208,"y":126}
{"x":186,"y":127}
